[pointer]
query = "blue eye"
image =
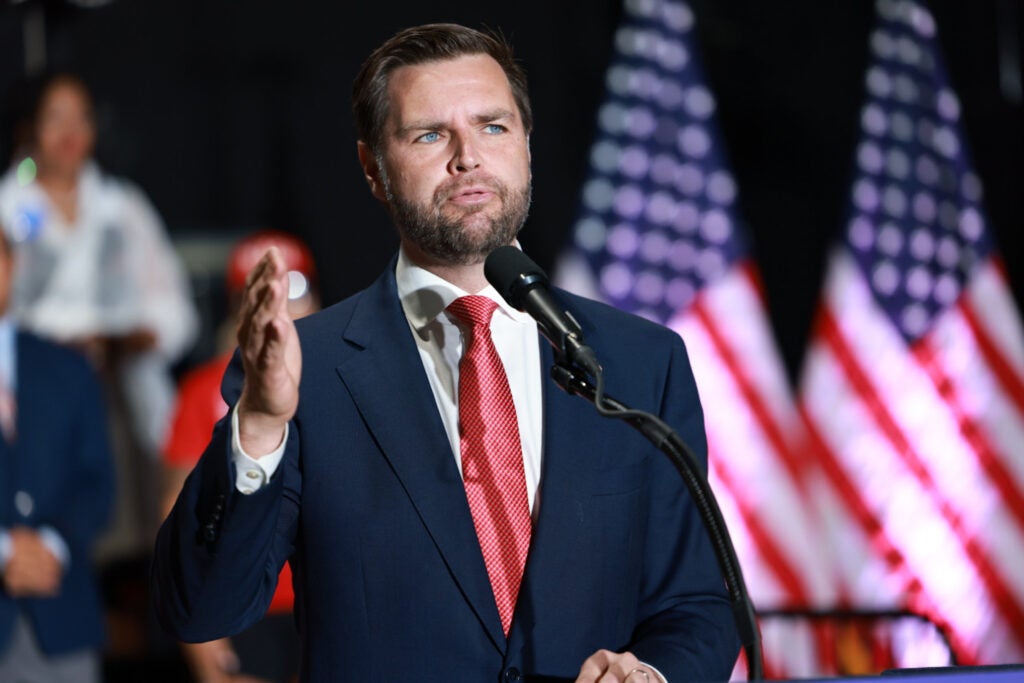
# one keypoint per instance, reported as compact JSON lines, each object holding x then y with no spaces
{"x":433,"y":136}
{"x":494,"y":128}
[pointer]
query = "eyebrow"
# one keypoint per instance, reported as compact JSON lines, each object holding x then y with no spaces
{"x":429,"y":124}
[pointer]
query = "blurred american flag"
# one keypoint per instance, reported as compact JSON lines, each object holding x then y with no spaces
{"x":913,"y":388}
{"x":659,"y":235}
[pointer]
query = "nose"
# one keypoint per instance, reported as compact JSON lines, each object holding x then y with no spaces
{"x":465,"y":156}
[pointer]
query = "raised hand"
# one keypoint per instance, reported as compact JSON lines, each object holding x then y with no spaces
{"x":270,"y":355}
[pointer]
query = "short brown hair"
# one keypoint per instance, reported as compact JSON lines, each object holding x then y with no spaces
{"x":418,"y":45}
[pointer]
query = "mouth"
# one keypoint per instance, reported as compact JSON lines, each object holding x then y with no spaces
{"x":471,"y":196}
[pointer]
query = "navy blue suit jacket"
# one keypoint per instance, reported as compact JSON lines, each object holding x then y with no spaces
{"x":369,"y":507}
{"x":61,"y":461}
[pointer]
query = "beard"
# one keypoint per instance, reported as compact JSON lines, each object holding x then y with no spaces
{"x":460,"y":235}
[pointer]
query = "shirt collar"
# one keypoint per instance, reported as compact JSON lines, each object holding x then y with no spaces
{"x":424,"y":296}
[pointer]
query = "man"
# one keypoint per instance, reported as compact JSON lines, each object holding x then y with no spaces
{"x":378,"y":481}
{"x":56,"y":491}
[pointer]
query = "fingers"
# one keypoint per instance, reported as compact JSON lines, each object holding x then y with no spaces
{"x":214,"y":661}
{"x":32,"y":570}
{"x":264,"y":323}
{"x":22,"y":582}
{"x":271,"y":357}
{"x":264,"y":299}
{"x":27,"y":545}
{"x":605,"y":666}
{"x":256,"y":331}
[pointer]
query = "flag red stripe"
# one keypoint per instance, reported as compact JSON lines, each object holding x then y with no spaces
{"x":917,"y":599}
{"x":1002,"y":597}
{"x":750,"y":394}
{"x":1009,"y":378}
{"x":772,"y":672}
{"x":998,"y":474}
{"x":775,"y":559}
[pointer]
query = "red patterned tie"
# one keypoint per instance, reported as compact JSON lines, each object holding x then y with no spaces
{"x":492,"y":457}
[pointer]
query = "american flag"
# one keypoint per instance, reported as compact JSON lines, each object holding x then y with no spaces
{"x":913,"y":388}
{"x":659,"y":234}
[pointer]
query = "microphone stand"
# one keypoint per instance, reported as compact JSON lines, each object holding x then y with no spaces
{"x":671,"y":444}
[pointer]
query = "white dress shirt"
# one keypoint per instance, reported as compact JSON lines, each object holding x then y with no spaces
{"x":424,"y":296}
{"x":110,"y":271}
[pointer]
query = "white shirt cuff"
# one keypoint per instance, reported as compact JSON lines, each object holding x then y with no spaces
{"x":660,"y":678}
{"x":5,"y":548}
{"x":251,"y":474}
{"x":54,"y":542}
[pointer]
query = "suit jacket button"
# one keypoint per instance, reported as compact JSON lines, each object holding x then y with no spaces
{"x":23,"y":503}
{"x":513,"y":674}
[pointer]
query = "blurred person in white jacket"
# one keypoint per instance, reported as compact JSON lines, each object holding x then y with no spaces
{"x":96,"y":269}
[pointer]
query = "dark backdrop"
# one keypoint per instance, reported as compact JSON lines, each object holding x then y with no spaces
{"x":234,"y":115}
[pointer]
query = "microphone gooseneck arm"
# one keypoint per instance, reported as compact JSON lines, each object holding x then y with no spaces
{"x":660,"y":434}
{"x":524,"y":285}
{"x":682,"y":457}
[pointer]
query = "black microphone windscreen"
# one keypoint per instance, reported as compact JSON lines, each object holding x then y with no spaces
{"x":512,"y":272}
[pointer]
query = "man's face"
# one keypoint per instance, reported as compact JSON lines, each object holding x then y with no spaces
{"x":455,"y":165}
{"x":64,"y":132}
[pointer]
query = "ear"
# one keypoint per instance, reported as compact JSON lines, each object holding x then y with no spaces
{"x":371,"y":171}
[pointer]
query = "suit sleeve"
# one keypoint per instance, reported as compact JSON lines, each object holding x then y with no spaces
{"x":686,"y":626}
{"x":219,"y":552}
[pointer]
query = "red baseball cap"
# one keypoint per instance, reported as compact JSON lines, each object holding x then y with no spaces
{"x":249,"y":250}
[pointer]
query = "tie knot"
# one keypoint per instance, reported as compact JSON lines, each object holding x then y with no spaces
{"x":475,"y":311}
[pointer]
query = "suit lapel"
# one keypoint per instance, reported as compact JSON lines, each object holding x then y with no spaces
{"x":386,"y":380}
{"x":29,"y":381}
{"x":30,"y":397}
{"x":33,"y":383}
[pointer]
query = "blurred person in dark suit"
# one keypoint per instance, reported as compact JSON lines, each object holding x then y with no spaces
{"x":56,"y":493}
{"x":269,"y":651}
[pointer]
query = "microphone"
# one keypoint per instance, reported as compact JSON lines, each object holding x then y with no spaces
{"x":524,"y":285}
